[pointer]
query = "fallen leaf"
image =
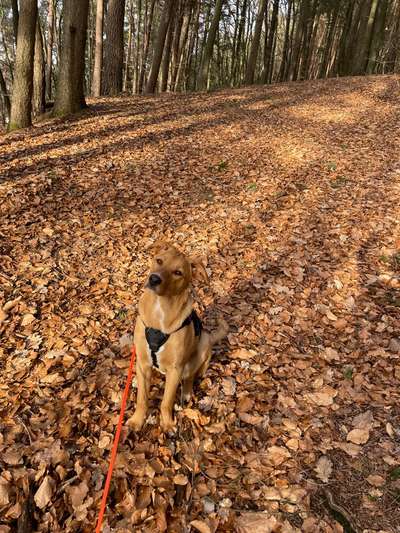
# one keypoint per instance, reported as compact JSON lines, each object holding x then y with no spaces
{"x":358,"y":436}
{"x":201,"y":526}
{"x":376,"y":481}
{"x":324,"y":397}
{"x":45,"y":492}
{"x":256,"y":523}
{"x":277,"y":455}
{"x":27,"y":319}
{"x":323,"y":468}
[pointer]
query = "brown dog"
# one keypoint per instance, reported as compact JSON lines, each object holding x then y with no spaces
{"x":168,"y":332}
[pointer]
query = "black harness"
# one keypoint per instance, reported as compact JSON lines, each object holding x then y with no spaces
{"x":156,"y":338}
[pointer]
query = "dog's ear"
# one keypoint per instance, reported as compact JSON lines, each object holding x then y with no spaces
{"x":158,"y":245}
{"x":198,"y":269}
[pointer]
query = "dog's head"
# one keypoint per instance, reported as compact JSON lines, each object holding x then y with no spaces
{"x":171,"y":272}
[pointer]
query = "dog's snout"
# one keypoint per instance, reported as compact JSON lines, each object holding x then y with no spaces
{"x":154,"y":280}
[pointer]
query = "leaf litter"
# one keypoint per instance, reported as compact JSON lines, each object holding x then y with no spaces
{"x":300,"y":228}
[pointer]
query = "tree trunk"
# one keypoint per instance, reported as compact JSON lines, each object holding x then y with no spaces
{"x":147,"y":37}
{"x":166,"y":59}
{"x":159,"y":46}
{"x":323,"y":71}
{"x":98,"y":52}
{"x":308,"y":40}
{"x":114,"y":47}
{"x":4,"y":94}
{"x":345,"y":40}
{"x":183,"y":42}
{"x":235,"y":62}
{"x":39,"y":76}
{"x":15,"y":18}
{"x":21,"y":105}
{"x":298,"y":39}
{"x":284,"y":61}
{"x":131,"y":30}
{"x":208,"y":49}
{"x":192,"y":45}
{"x":377,"y":36}
{"x":49,"y":48}
{"x":269,"y":59}
{"x":70,"y":95}
{"x":135,"y":84}
{"x":255,"y":44}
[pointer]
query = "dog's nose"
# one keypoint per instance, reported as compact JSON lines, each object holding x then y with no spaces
{"x":154,"y":280}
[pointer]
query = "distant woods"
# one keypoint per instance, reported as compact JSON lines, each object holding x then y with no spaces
{"x":54,"y":53}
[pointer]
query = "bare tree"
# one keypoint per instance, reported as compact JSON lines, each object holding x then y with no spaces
{"x":21,"y":104}
{"x":159,"y":46}
{"x":49,"y":47}
{"x":255,"y":43}
{"x":98,"y":52}
{"x":70,"y":96}
{"x":209,"y":45}
{"x":114,"y":47}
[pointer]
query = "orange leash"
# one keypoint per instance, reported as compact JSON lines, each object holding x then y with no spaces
{"x":116,"y":441}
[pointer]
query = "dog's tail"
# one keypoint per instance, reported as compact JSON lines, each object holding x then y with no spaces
{"x":220,"y":332}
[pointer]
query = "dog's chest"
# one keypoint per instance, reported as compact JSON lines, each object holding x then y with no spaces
{"x":159,"y":356}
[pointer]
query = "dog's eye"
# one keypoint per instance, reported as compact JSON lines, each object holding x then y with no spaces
{"x":178,"y":273}
{"x":159,"y":261}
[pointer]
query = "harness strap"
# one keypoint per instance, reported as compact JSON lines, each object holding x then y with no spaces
{"x":156,"y":338}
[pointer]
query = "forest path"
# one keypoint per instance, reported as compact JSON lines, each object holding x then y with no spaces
{"x":292,"y":192}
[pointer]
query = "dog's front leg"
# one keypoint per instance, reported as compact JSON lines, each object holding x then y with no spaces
{"x":172,"y":380}
{"x":143,"y":390}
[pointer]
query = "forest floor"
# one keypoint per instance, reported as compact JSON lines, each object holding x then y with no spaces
{"x":292,"y":192}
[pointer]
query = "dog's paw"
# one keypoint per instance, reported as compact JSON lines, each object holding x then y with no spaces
{"x":135,"y":422}
{"x":167,"y":424}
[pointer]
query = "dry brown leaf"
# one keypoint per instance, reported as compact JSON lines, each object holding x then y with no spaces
{"x":276,"y":455}
{"x":323,"y":468}
{"x":181,"y":479}
{"x":4,"y":492}
{"x":27,"y":319}
{"x":243,"y":354}
{"x":358,"y":436}
{"x":376,"y":480}
{"x":256,"y":523}
{"x":201,"y":526}
{"x":324,"y":397}
{"x":254,"y":420}
{"x":45,"y":492}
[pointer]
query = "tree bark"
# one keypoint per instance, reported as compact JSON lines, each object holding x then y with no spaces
{"x":182,"y":43}
{"x":329,"y":40}
{"x":285,"y":52}
{"x":131,"y":31}
{"x":159,"y":46}
{"x":146,"y":45}
{"x":308,"y":40}
{"x":39,"y":76}
{"x":70,"y":95}
{"x":4,"y":94}
{"x":166,"y":59}
{"x":235,"y":62}
{"x":98,"y":52}
{"x":255,"y":44}
{"x":114,"y":47}
{"x":208,"y":49}
{"x":15,"y":18}
{"x":269,"y":60}
{"x":21,"y":105}
{"x":49,"y":48}
{"x":377,"y":35}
